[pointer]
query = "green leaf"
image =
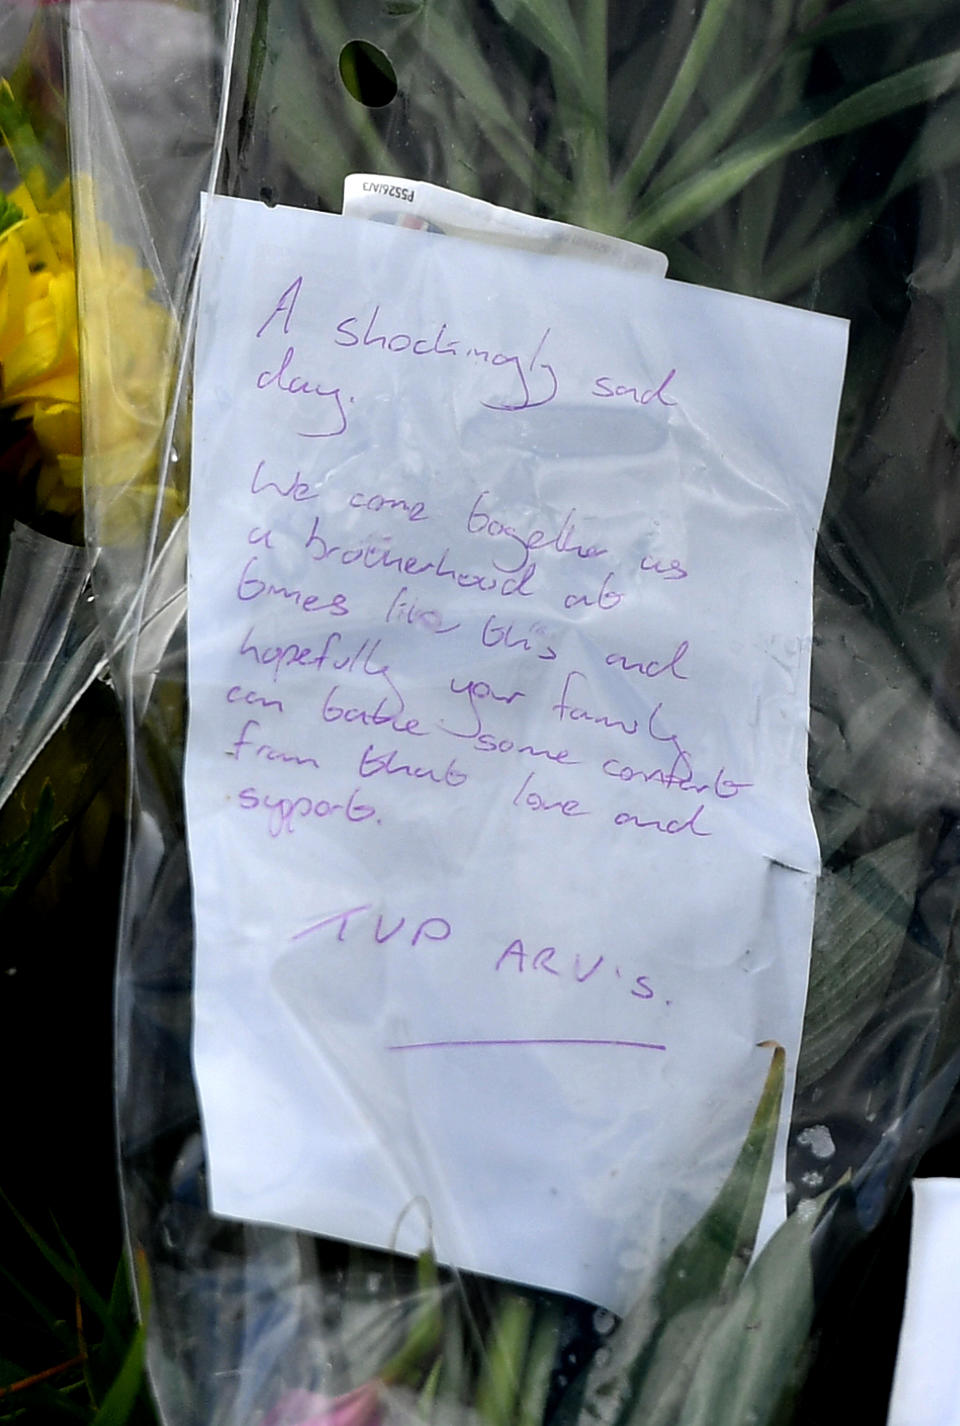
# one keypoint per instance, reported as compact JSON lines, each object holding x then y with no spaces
{"x":549,"y":25}
{"x":54,"y":1324}
{"x":747,"y":1361}
{"x":694,"y":61}
{"x":714,"y":1255}
{"x":801,"y":257}
{"x":862,"y":14}
{"x":691,"y":201}
{"x":121,"y":1400}
{"x":726,"y":1362}
{"x":861,"y":919}
{"x":452,"y":1386}
{"x":21,"y":857}
{"x":425,"y":1329}
{"x":10,"y":214}
{"x":657,"y":1345}
{"x":29,"y":155}
{"x":451,"y":45}
{"x":709,"y":136}
{"x":502,"y":1368}
{"x":69,"y":1270}
{"x":539,"y":1368}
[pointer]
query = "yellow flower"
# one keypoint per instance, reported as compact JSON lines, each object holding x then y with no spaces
{"x":39,"y":364}
{"x":128,"y":345}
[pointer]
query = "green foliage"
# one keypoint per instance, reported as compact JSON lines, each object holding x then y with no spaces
{"x":20,"y":857}
{"x":93,"y":1371}
{"x":10,"y":214}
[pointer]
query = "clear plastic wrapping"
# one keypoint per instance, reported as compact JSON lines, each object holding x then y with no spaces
{"x":803,"y":153}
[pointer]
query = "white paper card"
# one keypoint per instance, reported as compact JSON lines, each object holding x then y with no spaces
{"x":385,"y":198}
{"x":499,"y":628}
{"x":926,"y":1386}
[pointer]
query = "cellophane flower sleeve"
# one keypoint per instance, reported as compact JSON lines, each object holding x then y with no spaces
{"x":803,"y":153}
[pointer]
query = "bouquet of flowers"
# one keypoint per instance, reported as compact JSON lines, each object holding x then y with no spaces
{"x":803,"y":152}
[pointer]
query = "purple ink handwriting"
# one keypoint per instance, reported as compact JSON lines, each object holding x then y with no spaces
{"x":603,"y":597}
{"x":567,"y":710}
{"x":250,"y":587}
{"x":414,"y":511}
{"x":433,"y":928}
{"x":672,"y":826}
{"x":535,"y":381}
{"x":332,"y":417}
{"x":520,"y":959}
{"x":392,"y":764}
{"x":332,"y":710}
{"x":297,"y":489}
{"x":282,"y":812}
{"x":267,"y":751}
{"x":679,"y":775}
{"x":672,"y":569}
{"x":286,"y":304}
{"x":489,"y":743}
{"x":476,"y":691}
{"x":537,"y":801}
{"x":533,"y":641}
{"x":253,"y":699}
{"x":381,"y":555}
{"x":336,"y":655}
{"x":652,"y":668}
{"x":505,"y":1044}
{"x":407,"y":611}
{"x":605,"y":387}
{"x":482,"y":522}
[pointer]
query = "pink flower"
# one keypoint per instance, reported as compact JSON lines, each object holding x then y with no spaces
{"x":360,"y":1407}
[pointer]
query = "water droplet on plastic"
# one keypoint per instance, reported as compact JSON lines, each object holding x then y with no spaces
{"x":818,"y":1140}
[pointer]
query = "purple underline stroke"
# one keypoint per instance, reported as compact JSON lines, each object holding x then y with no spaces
{"x":479,"y":1044}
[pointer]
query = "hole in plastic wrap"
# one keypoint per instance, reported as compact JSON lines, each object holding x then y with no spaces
{"x":367,"y":74}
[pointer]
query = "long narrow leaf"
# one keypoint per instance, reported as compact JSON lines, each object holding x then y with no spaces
{"x":864,"y":14}
{"x":664,"y":1337}
{"x":54,"y":1324}
{"x":690,"y":202}
{"x":503,"y":1365}
{"x":745,"y":1366}
{"x":550,"y":26}
{"x":714,"y":1255}
{"x":66,"y":1268}
{"x":861,"y":919}
{"x":802,"y":255}
{"x":694,"y":62}
{"x":119,"y":1403}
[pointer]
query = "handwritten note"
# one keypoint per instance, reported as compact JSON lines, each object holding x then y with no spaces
{"x":499,"y":628}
